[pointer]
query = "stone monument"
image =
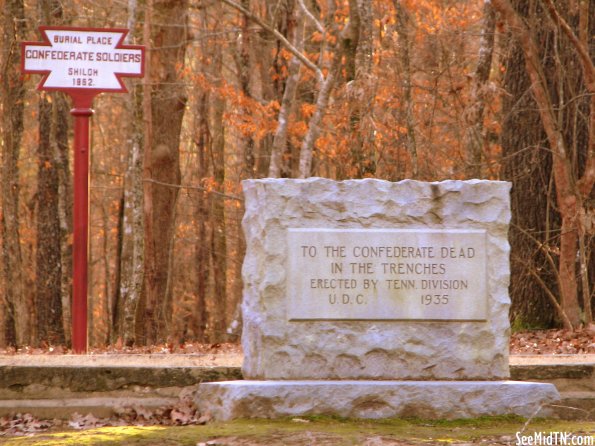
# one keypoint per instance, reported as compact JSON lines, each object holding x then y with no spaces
{"x":368,"y":298}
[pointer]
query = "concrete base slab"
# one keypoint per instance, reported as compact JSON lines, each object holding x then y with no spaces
{"x":374,"y":399}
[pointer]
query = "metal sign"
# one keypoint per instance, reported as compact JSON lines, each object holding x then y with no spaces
{"x":82,"y":62}
{"x":82,"y":58}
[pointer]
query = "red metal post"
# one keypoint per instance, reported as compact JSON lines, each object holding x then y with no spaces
{"x":80,"y":226}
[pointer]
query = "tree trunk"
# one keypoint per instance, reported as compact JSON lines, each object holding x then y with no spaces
{"x":201,"y":316}
{"x":277,"y":164}
{"x":53,"y":127}
{"x":18,"y":311}
{"x":217,"y":211}
{"x":534,"y":221}
{"x":243,"y":65}
{"x":361,"y":91}
{"x":265,"y":53}
{"x":132,"y":275}
{"x":48,"y":289}
{"x":129,"y":287}
{"x":403,"y":28}
{"x":65,"y":194}
{"x":560,"y":120}
{"x":162,"y":166}
{"x":474,"y":114}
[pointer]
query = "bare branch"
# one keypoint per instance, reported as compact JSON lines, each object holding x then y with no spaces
{"x":307,"y":62}
{"x":585,"y":184}
{"x":553,"y":300}
{"x":568,"y":196}
{"x":291,"y":83}
{"x":542,"y":98}
{"x":202,"y":189}
{"x":314,"y":20}
{"x":582,"y":50}
{"x":543,"y":248}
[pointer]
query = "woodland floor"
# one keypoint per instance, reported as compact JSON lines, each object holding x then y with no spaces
{"x":532,"y":342}
{"x":553,"y":342}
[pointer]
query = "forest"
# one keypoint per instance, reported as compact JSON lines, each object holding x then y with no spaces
{"x":235,"y":89}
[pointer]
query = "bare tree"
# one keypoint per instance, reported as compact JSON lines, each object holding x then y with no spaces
{"x":404,"y":29}
{"x":326,"y":83}
{"x":360,"y":86}
{"x":572,"y":188}
{"x":474,"y":114}
{"x":276,"y":165}
{"x":130,"y":271}
{"x":53,"y":132}
{"x":200,"y":316}
{"x":161,"y":161}
{"x":17,"y":309}
{"x":218,"y":240}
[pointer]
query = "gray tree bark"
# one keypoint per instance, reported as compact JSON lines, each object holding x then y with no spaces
{"x":473,"y":138}
{"x":17,"y":311}
{"x":280,"y":139}
{"x":53,"y":132}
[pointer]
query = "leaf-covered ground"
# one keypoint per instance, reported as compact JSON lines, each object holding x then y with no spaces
{"x":183,"y":413}
{"x":530,"y":342}
{"x":553,"y":342}
{"x":170,"y":348}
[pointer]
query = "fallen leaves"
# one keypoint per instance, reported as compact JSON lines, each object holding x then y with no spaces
{"x":78,"y":421}
{"x":119,"y":348}
{"x":181,"y":414}
{"x":24,"y":424}
{"x":534,"y":342}
{"x":553,"y":342}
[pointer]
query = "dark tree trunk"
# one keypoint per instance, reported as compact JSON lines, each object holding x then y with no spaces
{"x":62,"y":154}
{"x":527,"y":161}
{"x":201,"y":316}
{"x":53,"y":132}
{"x":162,"y":164}
{"x":17,"y":306}
{"x":48,"y":283}
{"x":404,"y":32}
{"x":217,"y":211}
{"x":474,"y":113}
{"x":243,"y":65}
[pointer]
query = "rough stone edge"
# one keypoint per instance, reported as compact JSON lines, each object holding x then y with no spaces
{"x":253,"y":339}
{"x":375,"y":399}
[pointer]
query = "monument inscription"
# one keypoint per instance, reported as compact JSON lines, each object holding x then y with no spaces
{"x":386,"y":274}
{"x":373,"y":299}
{"x":368,"y":279}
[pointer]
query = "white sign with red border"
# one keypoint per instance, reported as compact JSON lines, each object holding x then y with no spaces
{"x":92,"y":59}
